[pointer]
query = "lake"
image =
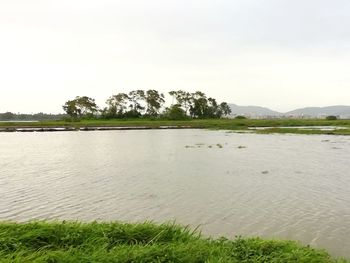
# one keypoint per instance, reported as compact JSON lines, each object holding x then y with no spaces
{"x":273,"y":186}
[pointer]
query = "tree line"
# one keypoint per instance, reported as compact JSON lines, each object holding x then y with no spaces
{"x":10,"y":116}
{"x":148,"y":103}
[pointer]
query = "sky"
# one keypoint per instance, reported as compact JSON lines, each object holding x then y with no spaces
{"x":281,"y":54}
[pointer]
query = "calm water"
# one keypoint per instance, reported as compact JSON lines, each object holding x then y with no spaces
{"x":284,"y":186}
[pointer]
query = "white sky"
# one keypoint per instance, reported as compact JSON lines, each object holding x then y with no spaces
{"x":282,"y":54}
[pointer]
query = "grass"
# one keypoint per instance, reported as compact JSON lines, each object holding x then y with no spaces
{"x":219,"y":124}
{"x":205,"y":123}
{"x":146,"y":242}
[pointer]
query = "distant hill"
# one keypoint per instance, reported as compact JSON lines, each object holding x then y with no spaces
{"x":253,"y":111}
{"x":340,"y":110}
{"x":313,"y":112}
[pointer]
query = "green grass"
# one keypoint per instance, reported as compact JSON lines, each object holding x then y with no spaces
{"x":205,"y":123}
{"x":222,"y":124}
{"x":146,"y":242}
{"x":303,"y":131}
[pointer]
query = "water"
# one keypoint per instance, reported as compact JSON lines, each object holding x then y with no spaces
{"x":274,"y":186}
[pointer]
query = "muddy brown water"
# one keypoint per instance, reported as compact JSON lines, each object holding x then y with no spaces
{"x":274,"y":186}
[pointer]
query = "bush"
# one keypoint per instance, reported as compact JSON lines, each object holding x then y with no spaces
{"x":240,"y":117}
{"x":175,"y":112}
{"x":331,"y":118}
{"x":71,"y":119}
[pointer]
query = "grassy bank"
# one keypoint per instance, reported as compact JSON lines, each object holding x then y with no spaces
{"x":200,"y":123}
{"x":303,"y":131}
{"x":116,"y":242}
{"x":223,"y":124}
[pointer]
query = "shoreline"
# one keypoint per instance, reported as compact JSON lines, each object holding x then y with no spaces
{"x":44,"y":241}
{"x":275,"y":126}
{"x":88,"y":128}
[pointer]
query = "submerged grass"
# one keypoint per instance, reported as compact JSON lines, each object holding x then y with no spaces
{"x":146,"y":242}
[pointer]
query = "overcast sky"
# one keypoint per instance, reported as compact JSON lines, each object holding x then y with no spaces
{"x":282,"y":54}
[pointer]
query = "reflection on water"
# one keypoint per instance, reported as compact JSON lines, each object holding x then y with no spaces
{"x":284,"y":186}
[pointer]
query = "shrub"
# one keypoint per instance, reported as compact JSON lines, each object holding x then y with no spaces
{"x":240,"y":117}
{"x":175,"y":112}
{"x":331,"y":118}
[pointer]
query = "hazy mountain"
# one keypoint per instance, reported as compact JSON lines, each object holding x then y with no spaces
{"x":252,"y":111}
{"x":256,"y":111}
{"x":322,"y":111}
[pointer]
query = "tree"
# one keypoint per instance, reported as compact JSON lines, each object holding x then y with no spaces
{"x":117,"y":105}
{"x":213,"y":110}
{"x":71,"y":109}
{"x":80,"y":107}
{"x":136,"y":97}
{"x":154,"y":101}
{"x":138,"y":103}
{"x":225,"y":108}
{"x":183,"y":98}
{"x":199,"y":105}
{"x":173,"y":94}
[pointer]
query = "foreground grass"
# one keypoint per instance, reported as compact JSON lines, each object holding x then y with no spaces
{"x":116,"y":242}
{"x":228,"y":124}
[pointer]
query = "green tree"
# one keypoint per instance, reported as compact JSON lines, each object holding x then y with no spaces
{"x":225,"y":109}
{"x":183,"y":98}
{"x":173,"y":94}
{"x":154,"y":101}
{"x":80,"y":107}
{"x":136,"y":98}
{"x":117,"y":105}
{"x":70,"y":107}
{"x":212,"y":111}
{"x":199,"y":105}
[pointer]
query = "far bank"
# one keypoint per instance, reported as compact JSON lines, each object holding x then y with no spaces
{"x":294,"y":126}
